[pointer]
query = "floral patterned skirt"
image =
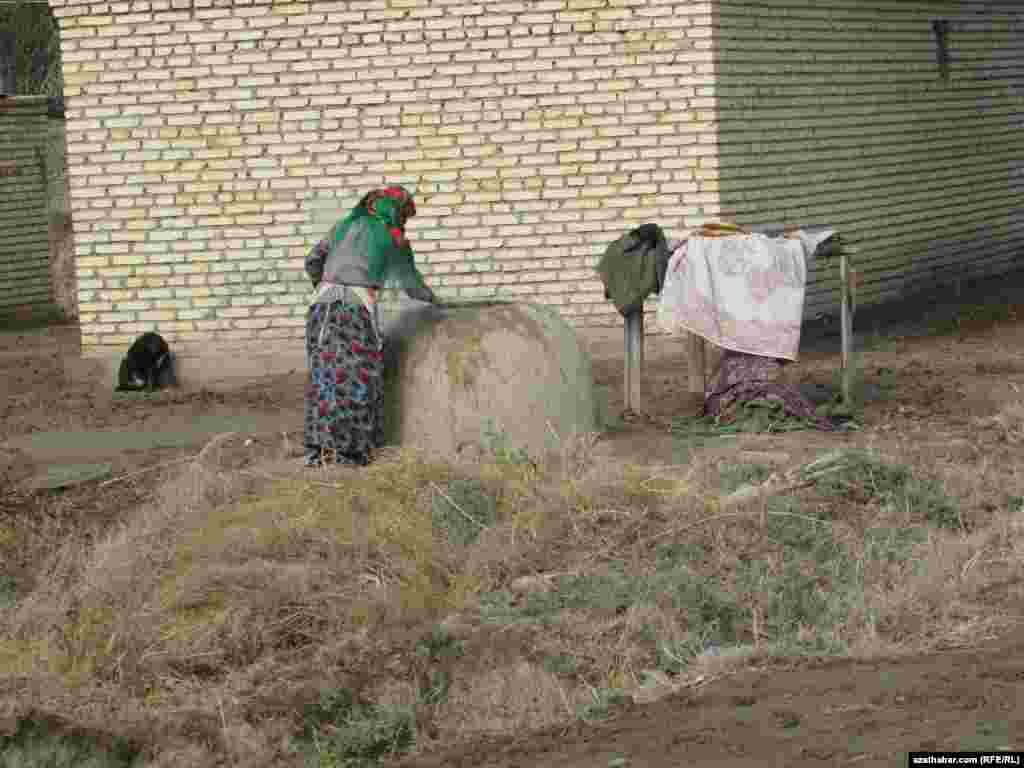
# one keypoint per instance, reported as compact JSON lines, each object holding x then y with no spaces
{"x":344,"y":395}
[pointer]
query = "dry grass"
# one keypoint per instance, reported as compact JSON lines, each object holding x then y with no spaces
{"x":514,"y":698}
{"x":206,"y":624}
{"x":1008,"y":423}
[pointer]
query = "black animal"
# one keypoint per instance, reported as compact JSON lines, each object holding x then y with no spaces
{"x":148,"y":365}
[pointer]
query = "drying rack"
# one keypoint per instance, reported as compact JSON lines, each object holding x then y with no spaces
{"x":849,"y":281}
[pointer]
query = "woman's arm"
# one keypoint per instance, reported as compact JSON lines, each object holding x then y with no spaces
{"x":411,"y":280}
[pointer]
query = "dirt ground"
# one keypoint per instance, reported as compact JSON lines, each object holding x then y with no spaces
{"x":834,"y":713}
{"x":938,"y":398}
{"x":42,"y":392}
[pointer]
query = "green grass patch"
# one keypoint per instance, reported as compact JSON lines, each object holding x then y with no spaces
{"x":745,"y":713}
{"x":711,"y":613}
{"x":855,"y":405}
{"x":673,"y":657}
{"x":811,"y":582}
{"x":863,"y":477}
{"x":892,"y":545}
{"x":798,"y":600}
{"x":339,"y":732}
{"x":8,"y":592}
{"x":36,"y":745}
{"x":672,"y":554}
{"x":500,"y":446}
{"x":800,"y":536}
{"x":436,"y":648}
{"x":804,"y":580}
{"x":851,"y":410}
{"x":562,"y":664}
{"x":795,"y":596}
{"x":499,"y":607}
{"x":755,"y":416}
{"x":886,"y":379}
{"x":603,"y":701}
{"x":435,"y":689}
{"x":734,"y":476}
{"x":787,"y":720}
{"x":607,"y":592}
{"x":438,"y":645}
{"x":988,"y":736}
{"x":708,"y":609}
{"x":850,"y":413}
{"x":808,"y":583}
{"x":648,"y":633}
{"x":464,"y":510}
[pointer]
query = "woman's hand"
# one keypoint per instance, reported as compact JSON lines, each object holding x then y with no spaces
{"x":422,"y":293}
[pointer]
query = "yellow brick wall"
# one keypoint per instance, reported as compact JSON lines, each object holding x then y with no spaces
{"x":211,"y":143}
{"x":834,"y":112}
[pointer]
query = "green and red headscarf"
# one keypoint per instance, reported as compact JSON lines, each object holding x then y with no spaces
{"x":392,"y":205}
{"x":381,"y":245}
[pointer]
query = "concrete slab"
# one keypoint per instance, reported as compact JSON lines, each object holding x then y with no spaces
{"x":59,"y":476}
{"x":214,"y":368}
{"x":60,"y":446}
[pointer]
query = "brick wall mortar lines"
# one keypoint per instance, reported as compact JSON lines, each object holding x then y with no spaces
{"x":219,"y":143}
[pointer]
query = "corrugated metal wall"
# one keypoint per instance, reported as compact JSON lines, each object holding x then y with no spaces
{"x":838,"y":112}
{"x":24,"y":219}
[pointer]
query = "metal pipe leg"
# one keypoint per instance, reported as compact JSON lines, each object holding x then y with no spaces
{"x":634,"y":357}
{"x":846,"y":328}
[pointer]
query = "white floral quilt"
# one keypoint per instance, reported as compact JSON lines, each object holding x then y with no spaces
{"x":742,"y":292}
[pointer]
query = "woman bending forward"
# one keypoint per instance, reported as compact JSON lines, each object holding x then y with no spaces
{"x":344,"y":396}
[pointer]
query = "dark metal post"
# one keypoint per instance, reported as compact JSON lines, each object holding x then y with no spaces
{"x":634,"y":329}
{"x":7,"y":70}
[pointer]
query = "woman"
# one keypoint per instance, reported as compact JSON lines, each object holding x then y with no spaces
{"x":360,"y":254}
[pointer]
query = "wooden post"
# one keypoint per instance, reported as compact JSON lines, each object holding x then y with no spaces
{"x":634,"y":358}
{"x":697,"y":364}
{"x":8,"y":80}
